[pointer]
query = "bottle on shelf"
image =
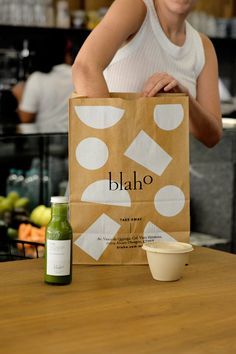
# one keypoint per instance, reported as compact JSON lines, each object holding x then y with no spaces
{"x":24,"y":61}
{"x":38,"y":185}
{"x":63,"y":187}
{"x":16,"y":182}
{"x":11,"y":181}
{"x":62,"y":14}
{"x":46,"y":187}
{"x":20,"y":183}
{"x":50,"y":16}
{"x":28,"y":13}
{"x":40,"y":16}
{"x":15,"y":12}
{"x":58,"y":251}
{"x":32,"y":185}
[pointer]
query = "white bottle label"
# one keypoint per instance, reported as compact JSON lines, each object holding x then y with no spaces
{"x":58,"y":257}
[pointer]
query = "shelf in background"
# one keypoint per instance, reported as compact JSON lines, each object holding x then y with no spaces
{"x":41,"y":30}
{"x":14,"y":35}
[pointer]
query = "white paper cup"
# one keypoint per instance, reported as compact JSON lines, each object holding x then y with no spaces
{"x":167,"y":259}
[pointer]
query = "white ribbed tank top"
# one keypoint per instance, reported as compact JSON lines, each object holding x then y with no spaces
{"x":151,"y":51}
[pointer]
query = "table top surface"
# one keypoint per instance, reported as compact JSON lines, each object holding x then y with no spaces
{"x":120,"y":309}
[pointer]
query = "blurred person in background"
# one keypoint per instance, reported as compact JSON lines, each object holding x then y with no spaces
{"x":43,"y":98}
{"x":43,"y":101}
{"x":147,"y":46}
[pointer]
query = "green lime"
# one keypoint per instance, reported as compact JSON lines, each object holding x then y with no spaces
{"x":12,"y":233}
{"x":13,"y":196}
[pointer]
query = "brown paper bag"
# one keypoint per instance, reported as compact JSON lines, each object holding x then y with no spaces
{"x":128,"y":175}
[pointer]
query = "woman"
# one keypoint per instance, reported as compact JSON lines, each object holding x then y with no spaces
{"x":148,"y":46}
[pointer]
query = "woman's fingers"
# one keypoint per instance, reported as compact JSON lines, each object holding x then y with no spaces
{"x":171,"y":85}
{"x":162,"y":85}
{"x":157,"y":83}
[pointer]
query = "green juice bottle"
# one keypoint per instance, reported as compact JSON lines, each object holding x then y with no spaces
{"x":58,"y":251}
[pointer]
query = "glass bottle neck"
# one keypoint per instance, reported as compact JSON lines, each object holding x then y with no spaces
{"x":60,"y":210}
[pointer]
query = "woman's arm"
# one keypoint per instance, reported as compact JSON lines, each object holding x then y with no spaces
{"x":123,"y":20}
{"x":204,"y":111}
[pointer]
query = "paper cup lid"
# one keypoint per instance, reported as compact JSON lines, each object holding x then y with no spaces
{"x":167,"y":247}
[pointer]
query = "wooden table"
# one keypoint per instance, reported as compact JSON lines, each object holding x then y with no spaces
{"x":120,"y":309}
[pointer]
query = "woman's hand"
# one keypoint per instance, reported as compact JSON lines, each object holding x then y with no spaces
{"x":162,"y":82}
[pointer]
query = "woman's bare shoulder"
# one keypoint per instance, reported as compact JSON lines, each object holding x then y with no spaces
{"x":132,"y":11}
{"x":209,"y":49}
{"x":132,"y":5}
{"x":207,"y":43}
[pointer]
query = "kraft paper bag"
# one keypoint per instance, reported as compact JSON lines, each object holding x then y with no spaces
{"x":128,"y":175}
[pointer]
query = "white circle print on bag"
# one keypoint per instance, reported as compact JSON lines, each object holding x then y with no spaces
{"x":168,"y":116}
{"x":92,"y":153}
{"x":169,"y":201}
